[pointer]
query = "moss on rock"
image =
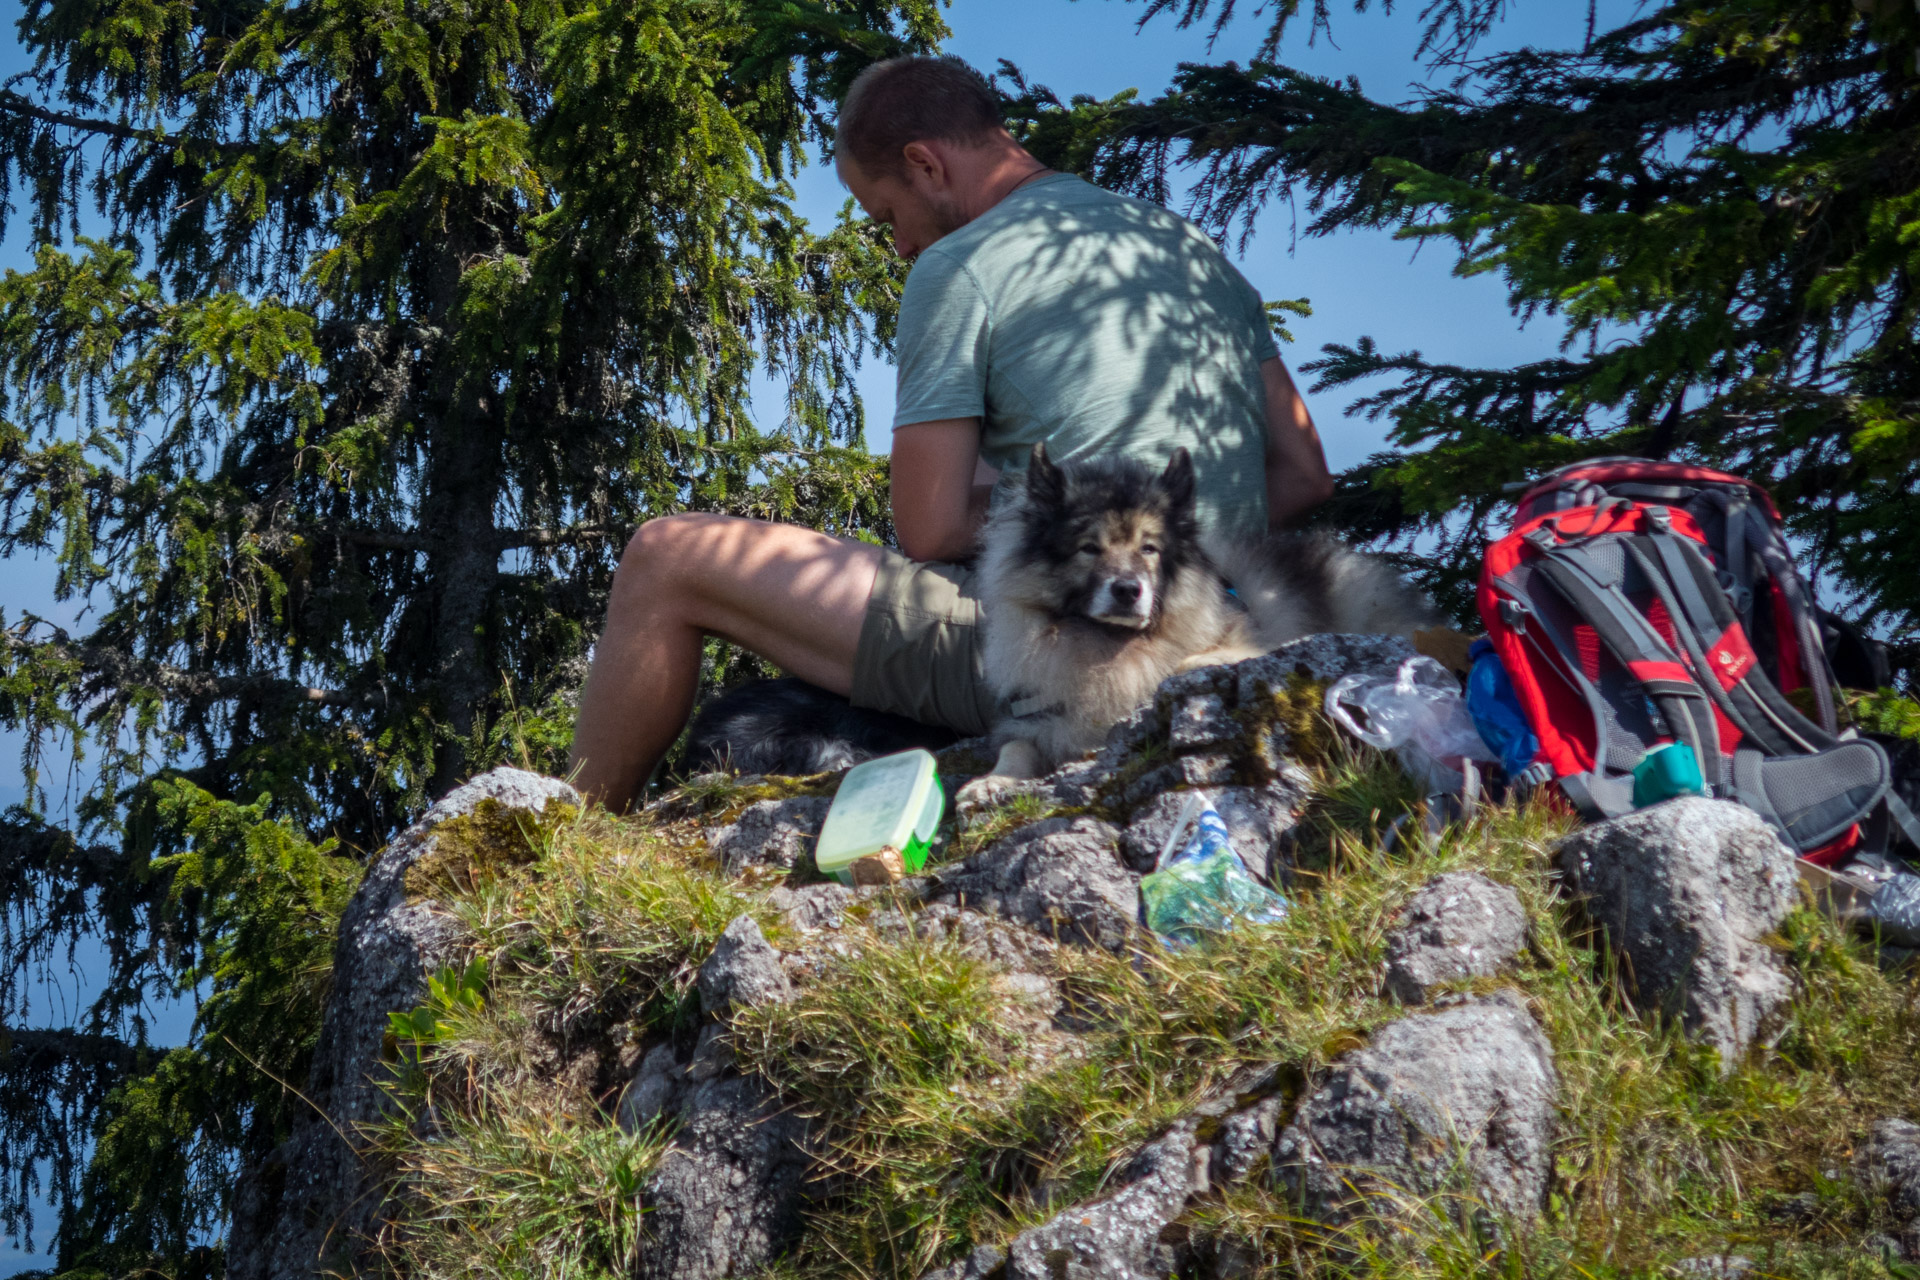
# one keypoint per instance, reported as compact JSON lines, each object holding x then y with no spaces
{"x":492,"y":841}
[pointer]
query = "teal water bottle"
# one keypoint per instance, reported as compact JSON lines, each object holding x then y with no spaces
{"x":1668,"y":770}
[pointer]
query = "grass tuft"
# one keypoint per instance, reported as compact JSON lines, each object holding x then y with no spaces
{"x":514,"y":1184}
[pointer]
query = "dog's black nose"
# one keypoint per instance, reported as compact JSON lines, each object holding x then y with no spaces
{"x":1125,"y":590}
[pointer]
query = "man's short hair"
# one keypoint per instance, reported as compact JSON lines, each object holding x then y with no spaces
{"x":916,"y":99}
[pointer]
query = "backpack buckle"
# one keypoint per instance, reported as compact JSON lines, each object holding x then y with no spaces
{"x":1660,"y":519}
{"x":1741,"y":596}
{"x":1515,"y":615}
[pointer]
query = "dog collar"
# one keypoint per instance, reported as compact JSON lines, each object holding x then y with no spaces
{"x":1027,"y":706}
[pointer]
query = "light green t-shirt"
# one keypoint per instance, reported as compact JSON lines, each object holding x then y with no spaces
{"x":1099,"y":324}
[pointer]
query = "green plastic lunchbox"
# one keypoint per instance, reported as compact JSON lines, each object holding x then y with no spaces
{"x":882,"y":820}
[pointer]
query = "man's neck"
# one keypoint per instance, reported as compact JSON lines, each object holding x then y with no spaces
{"x":1004,"y":170}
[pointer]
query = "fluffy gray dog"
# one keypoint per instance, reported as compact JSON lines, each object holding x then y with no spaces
{"x":1097,"y":583}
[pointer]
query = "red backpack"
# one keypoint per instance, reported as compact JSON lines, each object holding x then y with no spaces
{"x":1638,"y":603}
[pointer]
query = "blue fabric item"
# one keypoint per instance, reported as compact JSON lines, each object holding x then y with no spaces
{"x":1496,"y":710}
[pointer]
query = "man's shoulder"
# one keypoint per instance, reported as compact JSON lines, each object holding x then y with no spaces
{"x":1064,"y":207}
{"x":936,"y":273}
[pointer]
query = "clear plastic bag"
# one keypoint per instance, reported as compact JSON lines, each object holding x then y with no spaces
{"x":1204,"y":887}
{"x":1420,"y":714}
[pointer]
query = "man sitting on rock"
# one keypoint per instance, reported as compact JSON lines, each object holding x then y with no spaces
{"x":1039,"y":308}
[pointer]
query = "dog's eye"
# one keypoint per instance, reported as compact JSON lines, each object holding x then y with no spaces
{"x":1090,"y":548}
{"x":1149,"y":550}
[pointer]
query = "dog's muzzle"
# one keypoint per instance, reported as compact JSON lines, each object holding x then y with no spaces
{"x":1123,"y":602}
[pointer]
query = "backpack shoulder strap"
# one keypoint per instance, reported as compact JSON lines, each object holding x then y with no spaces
{"x":1633,"y":642}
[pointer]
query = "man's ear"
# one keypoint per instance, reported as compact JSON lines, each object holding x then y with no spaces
{"x":925,"y":162}
{"x":1045,"y":483}
{"x":1177,"y":480}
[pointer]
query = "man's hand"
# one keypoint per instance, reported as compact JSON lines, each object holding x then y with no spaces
{"x":940,"y":488}
{"x":1297,"y":475}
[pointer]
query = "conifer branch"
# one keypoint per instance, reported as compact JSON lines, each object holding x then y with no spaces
{"x":118,"y":669}
{"x":11,"y":101}
{"x":570,"y":535}
{"x":35,"y":846}
{"x":383,"y":539}
{"x":29,"y":1050}
{"x":504,"y":540}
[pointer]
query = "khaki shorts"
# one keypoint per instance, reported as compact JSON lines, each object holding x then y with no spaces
{"x":919,"y":653}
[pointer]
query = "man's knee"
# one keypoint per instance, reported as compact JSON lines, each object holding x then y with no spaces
{"x":662,"y":551}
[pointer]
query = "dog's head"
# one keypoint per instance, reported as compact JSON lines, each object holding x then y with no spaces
{"x":1111,"y":535}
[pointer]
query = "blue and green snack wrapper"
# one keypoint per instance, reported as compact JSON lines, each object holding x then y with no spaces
{"x":1205,"y":887}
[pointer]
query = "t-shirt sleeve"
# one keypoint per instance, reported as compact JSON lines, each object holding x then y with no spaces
{"x":941,"y":344}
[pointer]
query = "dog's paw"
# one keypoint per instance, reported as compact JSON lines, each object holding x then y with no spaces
{"x":979,"y":798}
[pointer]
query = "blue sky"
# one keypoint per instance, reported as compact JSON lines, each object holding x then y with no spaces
{"x":1360,"y":283}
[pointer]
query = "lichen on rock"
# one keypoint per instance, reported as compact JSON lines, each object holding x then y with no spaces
{"x":1455,"y":1103}
{"x":1687,"y":893}
{"x":490,"y":840}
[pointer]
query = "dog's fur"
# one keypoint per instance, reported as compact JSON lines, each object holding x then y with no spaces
{"x":1098,"y":583}
{"x":792,"y":728}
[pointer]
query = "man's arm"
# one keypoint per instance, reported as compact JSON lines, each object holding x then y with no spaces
{"x":940,"y":488}
{"x":1297,"y":475}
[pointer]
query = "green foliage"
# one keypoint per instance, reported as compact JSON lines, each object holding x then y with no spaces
{"x":517,"y":1055}
{"x":395,"y":323}
{"x":1885,"y":711}
{"x":524,"y":1186}
{"x":608,"y":926}
{"x":1714,"y":201}
{"x":512,"y":1177}
{"x":247,"y":920}
{"x":450,"y":992}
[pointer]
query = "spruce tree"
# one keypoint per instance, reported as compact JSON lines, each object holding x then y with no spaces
{"x":359,"y":336}
{"x":1715,"y":201}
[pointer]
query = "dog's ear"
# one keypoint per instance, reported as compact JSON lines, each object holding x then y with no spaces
{"x":1045,"y":483}
{"x":1177,"y":480}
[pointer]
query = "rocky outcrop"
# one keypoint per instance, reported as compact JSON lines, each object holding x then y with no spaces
{"x":1458,"y":1102}
{"x":743,"y":971}
{"x":1321,"y":658}
{"x":1458,"y":926}
{"x":310,"y":1202}
{"x":730,"y":1189}
{"x":733,"y":1183}
{"x":985,"y":1262}
{"x":1887,"y":1167}
{"x":731,"y":1186}
{"x":1686,"y":893}
{"x":1130,"y":1231}
{"x":1117,"y":1237}
{"x":1062,"y":876}
{"x":770,"y":833}
{"x":1214,"y":727}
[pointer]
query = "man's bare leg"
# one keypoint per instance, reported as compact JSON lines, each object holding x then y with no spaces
{"x":794,"y":596}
